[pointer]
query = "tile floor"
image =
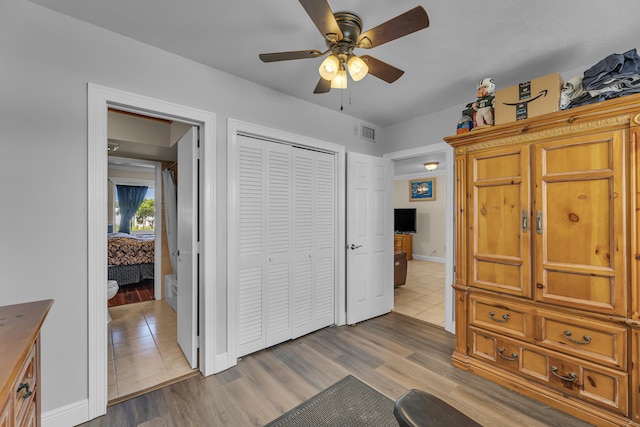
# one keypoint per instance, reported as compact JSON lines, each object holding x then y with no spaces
{"x":422,"y":296}
{"x":143,"y":349}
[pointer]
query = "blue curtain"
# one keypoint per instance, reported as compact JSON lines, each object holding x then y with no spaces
{"x":130,"y":198}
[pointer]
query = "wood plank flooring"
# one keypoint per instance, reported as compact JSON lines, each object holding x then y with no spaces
{"x":391,"y":353}
{"x":136,"y":292}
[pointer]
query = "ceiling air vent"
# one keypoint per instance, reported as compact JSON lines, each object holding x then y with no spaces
{"x":367,"y":133}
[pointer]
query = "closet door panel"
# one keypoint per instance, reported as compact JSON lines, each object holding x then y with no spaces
{"x":278,"y":220}
{"x":313,"y":286}
{"x":324,"y":240}
{"x":303,"y":232}
{"x":251,"y":245}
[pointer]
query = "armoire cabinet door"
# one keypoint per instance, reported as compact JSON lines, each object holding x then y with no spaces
{"x":499,"y":220}
{"x":580,"y":222}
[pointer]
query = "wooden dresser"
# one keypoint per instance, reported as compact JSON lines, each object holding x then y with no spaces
{"x":20,"y":363}
{"x":547,"y":258}
{"x":403,"y":242}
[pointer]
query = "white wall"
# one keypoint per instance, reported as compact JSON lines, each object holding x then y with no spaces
{"x":47,"y":61}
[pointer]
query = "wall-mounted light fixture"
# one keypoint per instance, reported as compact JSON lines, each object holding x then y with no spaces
{"x":431,"y":166}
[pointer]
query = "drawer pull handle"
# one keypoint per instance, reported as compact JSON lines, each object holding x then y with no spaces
{"x":570,"y":378}
{"x":586,"y":338}
{"x":25,"y":386}
{"x":505,"y":317}
{"x":513,"y":357}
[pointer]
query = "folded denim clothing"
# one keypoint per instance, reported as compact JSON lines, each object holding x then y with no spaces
{"x":586,"y":99}
{"x":618,"y":85}
{"x":614,"y":65}
{"x":571,"y":89}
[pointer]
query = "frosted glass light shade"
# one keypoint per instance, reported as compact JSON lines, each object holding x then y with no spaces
{"x":329,"y":67}
{"x":340,"y":80}
{"x":357,"y":68}
{"x":431,"y":166}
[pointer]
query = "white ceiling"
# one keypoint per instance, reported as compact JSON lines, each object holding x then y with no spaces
{"x":509,"y":40}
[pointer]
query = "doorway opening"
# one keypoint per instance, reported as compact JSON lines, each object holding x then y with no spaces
{"x":143,"y":327}
{"x":426,"y":294}
{"x":100,"y":100}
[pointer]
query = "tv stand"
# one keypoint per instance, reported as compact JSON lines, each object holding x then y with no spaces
{"x":403,"y":242}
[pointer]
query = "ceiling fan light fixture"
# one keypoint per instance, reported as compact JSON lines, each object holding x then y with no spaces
{"x":329,"y":67}
{"x":357,"y":68}
{"x":340,"y":80}
{"x":431,"y":166}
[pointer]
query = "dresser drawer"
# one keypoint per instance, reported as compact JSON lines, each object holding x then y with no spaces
{"x":25,"y":387}
{"x":502,"y":316}
{"x":568,"y":375}
{"x":594,"y":340}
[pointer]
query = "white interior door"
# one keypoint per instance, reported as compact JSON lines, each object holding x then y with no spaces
{"x":369,"y":237}
{"x":187,"y":259}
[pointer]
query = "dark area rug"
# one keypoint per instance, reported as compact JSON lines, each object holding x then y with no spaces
{"x":347,"y":403}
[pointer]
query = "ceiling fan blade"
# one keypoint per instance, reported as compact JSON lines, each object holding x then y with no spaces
{"x":321,"y":14}
{"x":323,"y":86}
{"x":285,"y":56}
{"x":400,"y":26}
{"x":382,"y":70}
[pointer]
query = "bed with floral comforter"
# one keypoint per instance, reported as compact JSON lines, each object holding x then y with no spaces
{"x":130,"y":257}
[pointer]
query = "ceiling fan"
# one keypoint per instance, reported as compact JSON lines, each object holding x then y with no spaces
{"x":342,"y":32}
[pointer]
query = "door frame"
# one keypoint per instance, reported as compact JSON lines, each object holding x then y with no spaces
{"x":100,"y":98}
{"x":440,"y":147}
{"x":237,"y":127}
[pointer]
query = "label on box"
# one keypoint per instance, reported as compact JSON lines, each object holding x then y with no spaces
{"x":524,"y":90}
{"x":522,"y":112}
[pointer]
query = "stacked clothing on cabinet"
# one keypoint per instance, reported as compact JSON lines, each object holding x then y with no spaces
{"x":616,"y":75}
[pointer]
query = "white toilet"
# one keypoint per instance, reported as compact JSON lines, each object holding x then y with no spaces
{"x":112,"y":290}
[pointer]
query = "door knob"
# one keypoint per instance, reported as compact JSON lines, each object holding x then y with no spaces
{"x":354,"y":246}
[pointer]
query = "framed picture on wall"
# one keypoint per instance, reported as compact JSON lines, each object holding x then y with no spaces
{"x":422,"y":189}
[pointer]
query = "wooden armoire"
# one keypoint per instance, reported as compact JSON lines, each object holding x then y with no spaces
{"x":547,"y":299}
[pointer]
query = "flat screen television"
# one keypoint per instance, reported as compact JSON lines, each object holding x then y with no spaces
{"x":404,"y":220}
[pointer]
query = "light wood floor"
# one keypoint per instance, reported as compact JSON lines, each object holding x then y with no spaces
{"x":392,"y":353}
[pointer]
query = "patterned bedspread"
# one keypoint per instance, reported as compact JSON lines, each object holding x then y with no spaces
{"x":130,"y":250}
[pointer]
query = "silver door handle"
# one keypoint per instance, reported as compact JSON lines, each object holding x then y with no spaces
{"x":354,"y":246}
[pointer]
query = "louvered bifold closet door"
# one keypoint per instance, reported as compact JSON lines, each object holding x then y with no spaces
{"x":278,"y":280}
{"x":264,"y":240}
{"x":313,"y":285}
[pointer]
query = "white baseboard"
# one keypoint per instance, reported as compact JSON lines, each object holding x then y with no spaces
{"x":428,"y":258}
{"x":69,"y":415}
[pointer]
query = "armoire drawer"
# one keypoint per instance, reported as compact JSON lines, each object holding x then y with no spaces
{"x":568,"y":375}
{"x":503,"y":317}
{"x":598,"y":341}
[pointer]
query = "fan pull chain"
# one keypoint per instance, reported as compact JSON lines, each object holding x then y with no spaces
{"x":341,"y":100}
